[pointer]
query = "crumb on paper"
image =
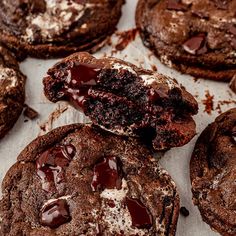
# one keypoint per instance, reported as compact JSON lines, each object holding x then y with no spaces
{"x":124,"y":38}
{"x":154,"y":67}
{"x":30,"y":113}
{"x":218,"y":108}
{"x":47,"y":125}
{"x":195,"y":79}
{"x":224,"y":103}
{"x":208,"y":102}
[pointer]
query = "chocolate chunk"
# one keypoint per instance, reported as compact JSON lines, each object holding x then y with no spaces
{"x":107,"y":174}
{"x":30,"y":113}
{"x":196,"y":45}
{"x":232,"y":84}
{"x":184,"y":211}
{"x":55,"y":214}
{"x":176,"y":5}
{"x":51,"y":164}
{"x":139,"y":213}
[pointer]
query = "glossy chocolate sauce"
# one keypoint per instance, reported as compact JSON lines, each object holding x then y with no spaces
{"x":80,"y":79}
{"x":51,"y":164}
{"x":107,"y":174}
{"x":55,"y":213}
{"x":139,"y":213}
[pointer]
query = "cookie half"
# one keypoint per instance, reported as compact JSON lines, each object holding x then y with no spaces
{"x":213,"y":174}
{"x":57,"y":28}
{"x":195,"y":37}
{"x":12,"y":91}
{"x":125,"y":99}
{"x":80,"y":180}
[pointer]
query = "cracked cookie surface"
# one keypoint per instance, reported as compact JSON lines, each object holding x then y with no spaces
{"x":81,"y":180}
{"x":193,"y":36}
{"x":55,"y":28}
{"x":213,"y":174}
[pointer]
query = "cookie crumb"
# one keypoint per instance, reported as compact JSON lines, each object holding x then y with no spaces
{"x":184,"y":211}
{"x":208,"y":102}
{"x":124,"y":38}
{"x":154,"y":68}
{"x":30,"y":113}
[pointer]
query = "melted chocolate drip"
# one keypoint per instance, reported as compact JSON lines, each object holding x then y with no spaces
{"x":196,"y":45}
{"x":176,"y":5}
{"x":139,"y":213}
{"x":80,"y":79}
{"x":107,"y":174}
{"x":51,"y":164}
{"x":55,"y":214}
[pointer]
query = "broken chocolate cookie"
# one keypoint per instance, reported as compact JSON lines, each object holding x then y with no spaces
{"x":195,"y":37}
{"x":81,"y":180}
{"x":125,"y":99}
{"x":12,"y":91}
{"x":57,"y":28}
{"x":213,"y":174}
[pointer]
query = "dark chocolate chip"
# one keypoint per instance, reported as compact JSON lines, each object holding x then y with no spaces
{"x":51,"y":164}
{"x":141,"y":218}
{"x":107,"y":174}
{"x":30,"y":113}
{"x":184,"y":211}
{"x":176,"y":5}
{"x":55,"y":213}
{"x":196,"y":45}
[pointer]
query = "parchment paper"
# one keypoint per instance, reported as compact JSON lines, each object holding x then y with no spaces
{"x":176,"y":161}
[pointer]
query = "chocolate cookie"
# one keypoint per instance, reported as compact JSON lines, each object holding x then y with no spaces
{"x":57,"y":28}
{"x":125,"y":99}
{"x":12,"y":91}
{"x":196,"y":37}
{"x":213,"y":174}
{"x":78,"y":180}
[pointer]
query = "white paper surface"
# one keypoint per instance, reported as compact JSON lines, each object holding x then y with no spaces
{"x":176,"y":161}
